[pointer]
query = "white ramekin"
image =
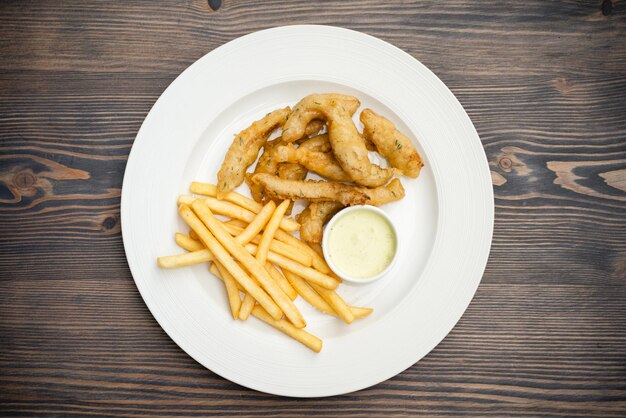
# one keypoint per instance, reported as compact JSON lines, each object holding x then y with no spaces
{"x":327,"y":256}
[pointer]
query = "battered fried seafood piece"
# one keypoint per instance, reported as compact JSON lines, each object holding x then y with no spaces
{"x":323,"y":163}
{"x":347,"y":144}
{"x":295,"y":171}
{"x":381,"y":195}
{"x":295,"y":130}
{"x":311,"y":190}
{"x":317,"y":214}
{"x":319,"y":143}
{"x":391,"y":143}
{"x":245,"y":149}
{"x":290,"y":171}
{"x":314,"y":217}
{"x":268,"y":164}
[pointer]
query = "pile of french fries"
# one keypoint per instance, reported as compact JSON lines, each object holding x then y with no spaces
{"x":263,"y":266}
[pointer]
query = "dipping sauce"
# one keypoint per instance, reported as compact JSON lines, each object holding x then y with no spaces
{"x":361,"y":243}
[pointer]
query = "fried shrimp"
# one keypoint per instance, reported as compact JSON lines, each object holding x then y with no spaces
{"x":322,"y":163}
{"x":311,"y":190}
{"x":268,"y":164}
{"x":386,"y":194}
{"x":347,"y":144}
{"x":296,"y":128}
{"x":318,"y":143}
{"x":314,"y":217}
{"x":391,"y":143}
{"x":245,"y":149}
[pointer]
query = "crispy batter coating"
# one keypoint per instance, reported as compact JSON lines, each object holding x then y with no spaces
{"x":311,"y":190}
{"x":268,"y":164}
{"x":391,"y":143}
{"x":292,"y":171}
{"x":319,"y":143}
{"x":245,"y":149}
{"x":288,"y":171}
{"x":381,"y":195}
{"x":300,"y":119}
{"x":314,"y":217}
{"x":322,"y":163}
{"x":347,"y":144}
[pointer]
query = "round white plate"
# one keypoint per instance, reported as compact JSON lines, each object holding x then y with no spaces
{"x":445,"y":222}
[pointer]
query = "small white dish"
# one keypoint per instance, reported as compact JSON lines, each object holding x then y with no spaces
{"x":331,"y":233}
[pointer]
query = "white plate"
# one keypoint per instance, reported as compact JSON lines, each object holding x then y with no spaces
{"x":445,"y":222}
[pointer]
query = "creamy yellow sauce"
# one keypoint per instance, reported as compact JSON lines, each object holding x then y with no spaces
{"x":361,"y":243}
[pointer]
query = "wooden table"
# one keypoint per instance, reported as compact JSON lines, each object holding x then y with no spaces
{"x":544,"y":83}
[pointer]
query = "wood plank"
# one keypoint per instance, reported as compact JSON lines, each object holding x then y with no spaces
{"x":544,"y":84}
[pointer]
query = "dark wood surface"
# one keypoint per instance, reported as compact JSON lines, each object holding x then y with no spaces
{"x":545,"y":85}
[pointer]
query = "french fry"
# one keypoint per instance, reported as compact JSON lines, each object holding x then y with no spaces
{"x":246,"y":307}
{"x":307,"y":273}
{"x":210,"y":190}
{"x":256,"y":226}
{"x":317,"y":261}
{"x":188,"y":243}
{"x":231,"y":290}
{"x":281,"y":280}
{"x":193,"y":235}
{"x":360,"y":312}
{"x":300,"y":335}
{"x":278,"y":247}
{"x":243,"y":237}
{"x":244,"y":310}
{"x":185,"y":199}
{"x":224,"y":257}
{"x":296,"y":254}
{"x":288,"y":251}
{"x":232,"y":210}
{"x":321,"y":263}
{"x":213,"y":269}
{"x":248,"y":303}
{"x":237,"y":222}
{"x":270,"y":230}
{"x":311,"y":296}
{"x":250,"y":263}
{"x":187,"y":259}
{"x":308,"y":294}
{"x":336,"y":302}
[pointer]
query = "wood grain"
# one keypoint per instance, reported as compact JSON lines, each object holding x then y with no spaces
{"x":544,"y":84}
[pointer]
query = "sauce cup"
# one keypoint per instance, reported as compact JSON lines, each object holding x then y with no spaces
{"x":360,"y":244}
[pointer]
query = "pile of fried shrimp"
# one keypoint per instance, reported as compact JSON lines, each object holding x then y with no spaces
{"x":248,"y":242}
